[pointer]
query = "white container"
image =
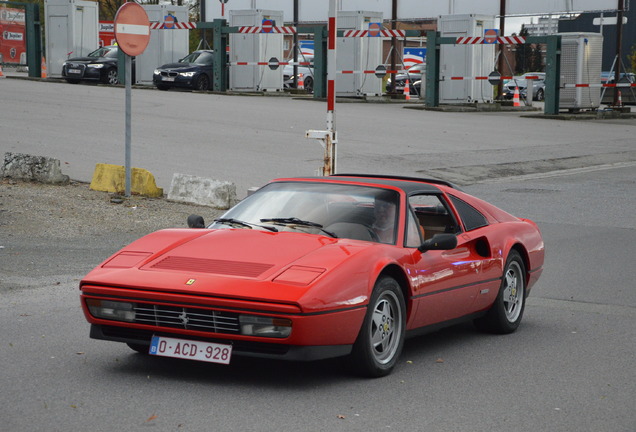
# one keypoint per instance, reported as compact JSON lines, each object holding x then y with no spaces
{"x":358,"y":54}
{"x":72,"y":30}
{"x":466,"y":61}
{"x":581,"y":63}
{"x":166,"y":45}
{"x":257,"y":47}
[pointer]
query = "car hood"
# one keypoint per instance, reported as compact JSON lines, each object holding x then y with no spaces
{"x":233,"y":263}
{"x":180,"y":67}
{"x":90,"y":60}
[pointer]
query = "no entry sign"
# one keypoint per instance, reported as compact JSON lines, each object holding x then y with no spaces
{"x":132,"y":29}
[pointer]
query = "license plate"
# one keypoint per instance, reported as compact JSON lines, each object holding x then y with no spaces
{"x":193,"y":350}
{"x":74,"y":71}
{"x":167,"y":78}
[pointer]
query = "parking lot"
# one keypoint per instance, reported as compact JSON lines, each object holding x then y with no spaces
{"x":569,"y":367}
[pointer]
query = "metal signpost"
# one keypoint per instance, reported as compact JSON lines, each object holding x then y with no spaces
{"x":132,"y":32}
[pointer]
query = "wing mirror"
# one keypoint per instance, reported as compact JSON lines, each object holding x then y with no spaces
{"x":195,"y":221}
{"x":439,"y":242}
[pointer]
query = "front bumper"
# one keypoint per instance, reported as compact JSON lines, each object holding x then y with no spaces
{"x":81,"y":72}
{"x":239,"y":347}
{"x":173,"y":81}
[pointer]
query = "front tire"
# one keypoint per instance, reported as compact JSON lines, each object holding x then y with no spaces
{"x":381,"y":337}
{"x":202,"y":83}
{"x":309,"y":84}
{"x":506,"y":312}
{"x":540,"y":95}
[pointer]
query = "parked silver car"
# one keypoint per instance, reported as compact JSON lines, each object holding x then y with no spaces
{"x":538,"y":86}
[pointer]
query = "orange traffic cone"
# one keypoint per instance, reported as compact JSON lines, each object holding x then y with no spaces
{"x":620,"y":99}
{"x":407,"y":91}
{"x":515,"y":98}
{"x":1,"y":74}
{"x":43,"y":70}
{"x":301,"y":82}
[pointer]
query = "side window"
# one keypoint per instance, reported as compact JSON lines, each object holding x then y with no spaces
{"x":432,"y":216}
{"x":471,"y":217}
{"x":413,"y":231}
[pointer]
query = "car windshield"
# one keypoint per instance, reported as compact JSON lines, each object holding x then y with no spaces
{"x":199,"y":57}
{"x":336,"y":210}
{"x":107,"y":51}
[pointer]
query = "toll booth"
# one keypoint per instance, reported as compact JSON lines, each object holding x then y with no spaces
{"x":71,"y":31}
{"x":167,"y":45}
{"x":581,"y":63}
{"x":359,"y":54}
{"x":256,"y":47}
{"x":467,"y":61}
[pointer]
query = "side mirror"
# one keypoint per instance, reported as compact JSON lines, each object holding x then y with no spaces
{"x":439,"y":242}
{"x":195,"y":221}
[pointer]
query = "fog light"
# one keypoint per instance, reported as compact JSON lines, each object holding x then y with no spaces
{"x":261,"y":326}
{"x":111,"y":310}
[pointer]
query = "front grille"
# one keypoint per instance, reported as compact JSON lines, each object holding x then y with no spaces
{"x":204,"y":320}
{"x":169,"y":73}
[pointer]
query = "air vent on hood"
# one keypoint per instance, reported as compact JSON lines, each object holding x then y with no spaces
{"x":215,"y":266}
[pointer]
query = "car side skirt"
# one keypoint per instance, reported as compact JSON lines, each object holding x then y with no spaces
{"x":438,"y":326}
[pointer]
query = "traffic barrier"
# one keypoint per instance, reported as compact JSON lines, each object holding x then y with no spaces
{"x":43,"y":70}
{"x":515,"y":98}
{"x":301,"y":82}
{"x":407,"y":91}
{"x":599,"y":85}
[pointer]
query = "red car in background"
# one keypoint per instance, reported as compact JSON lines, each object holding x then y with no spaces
{"x":312,"y":268}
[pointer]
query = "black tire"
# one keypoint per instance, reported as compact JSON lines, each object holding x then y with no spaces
{"x":540,"y":95}
{"x":201,"y":83}
{"x":506,"y":312}
{"x":141,"y":349}
{"x":381,"y":338}
{"x":309,"y":84}
{"x":110,"y":77}
{"x":72,"y":81}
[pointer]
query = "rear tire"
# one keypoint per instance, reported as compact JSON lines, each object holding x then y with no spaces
{"x":110,"y":77}
{"x":379,"y":344}
{"x":506,"y":312}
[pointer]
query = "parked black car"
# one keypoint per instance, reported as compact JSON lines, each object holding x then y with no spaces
{"x":99,"y":65}
{"x":194,"y":71}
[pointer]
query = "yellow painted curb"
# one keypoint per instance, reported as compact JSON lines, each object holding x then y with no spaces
{"x":112,"y":178}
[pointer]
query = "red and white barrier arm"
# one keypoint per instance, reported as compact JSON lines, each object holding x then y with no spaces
{"x":476,"y":40}
{"x":600,"y":85}
{"x":173,"y":26}
{"x":275,"y":29}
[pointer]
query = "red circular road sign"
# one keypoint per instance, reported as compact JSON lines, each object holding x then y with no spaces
{"x":374,"y":29}
{"x":168,"y":21}
{"x":267,"y":26}
{"x":490,"y":35}
{"x":132,"y":29}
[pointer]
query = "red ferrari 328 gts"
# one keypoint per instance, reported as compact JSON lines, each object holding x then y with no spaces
{"x":311,"y":268}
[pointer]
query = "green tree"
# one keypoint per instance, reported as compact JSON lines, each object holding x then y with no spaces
{"x":631,"y":58}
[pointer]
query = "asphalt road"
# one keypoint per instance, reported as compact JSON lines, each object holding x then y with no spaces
{"x":570,"y":366}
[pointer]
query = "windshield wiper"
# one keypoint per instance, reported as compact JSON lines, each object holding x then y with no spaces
{"x":236,"y":222}
{"x":300,"y":222}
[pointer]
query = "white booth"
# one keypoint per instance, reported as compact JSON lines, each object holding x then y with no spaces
{"x":71,"y":31}
{"x":255,"y":47}
{"x":358,"y":54}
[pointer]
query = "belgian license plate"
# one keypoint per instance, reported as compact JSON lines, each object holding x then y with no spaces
{"x":74,"y":71}
{"x":193,"y":350}
{"x":167,"y":78}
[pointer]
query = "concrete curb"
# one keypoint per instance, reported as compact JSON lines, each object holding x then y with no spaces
{"x":33,"y":168}
{"x":202,"y":191}
{"x":112,"y":178}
